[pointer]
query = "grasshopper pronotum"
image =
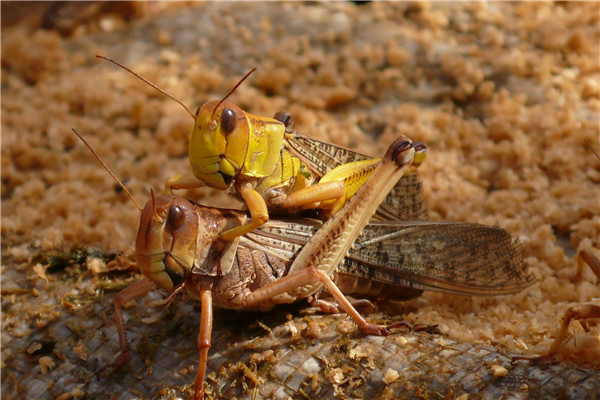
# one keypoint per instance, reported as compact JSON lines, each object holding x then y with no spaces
{"x":177,"y":249}
{"x":270,"y":166}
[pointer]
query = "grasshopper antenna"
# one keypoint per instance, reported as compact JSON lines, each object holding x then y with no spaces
{"x":237,"y":85}
{"x":108,"y":169}
{"x":151,"y":84}
{"x":156,"y":216}
{"x":592,"y":149}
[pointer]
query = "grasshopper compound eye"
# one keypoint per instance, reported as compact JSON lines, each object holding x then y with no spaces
{"x":175,"y":219}
{"x":228,"y":120}
{"x":283,"y":117}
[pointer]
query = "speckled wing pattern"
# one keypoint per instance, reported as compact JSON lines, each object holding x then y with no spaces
{"x":448,"y":257}
{"x":405,"y":202}
{"x":451,"y":257}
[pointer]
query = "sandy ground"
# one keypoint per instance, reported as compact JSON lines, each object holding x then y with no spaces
{"x":505,"y":96}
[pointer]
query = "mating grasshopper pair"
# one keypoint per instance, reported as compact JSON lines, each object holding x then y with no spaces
{"x":184,"y":246}
{"x":272,"y":167}
{"x":287,"y":260}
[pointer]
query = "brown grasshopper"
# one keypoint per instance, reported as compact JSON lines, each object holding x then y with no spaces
{"x":177,"y":249}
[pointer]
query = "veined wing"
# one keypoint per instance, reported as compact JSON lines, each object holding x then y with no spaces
{"x":406,"y":200}
{"x":447,"y":257}
{"x":280,"y":240}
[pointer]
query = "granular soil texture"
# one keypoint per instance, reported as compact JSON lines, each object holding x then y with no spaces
{"x":505,"y":95}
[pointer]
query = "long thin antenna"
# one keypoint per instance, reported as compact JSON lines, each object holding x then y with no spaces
{"x":108,"y":169}
{"x":150,"y":83}
{"x":232,"y":90}
{"x":156,"y":216}
{"x":592,"y":148}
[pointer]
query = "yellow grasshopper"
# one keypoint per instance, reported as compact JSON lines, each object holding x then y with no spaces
{"x":270,"y":166}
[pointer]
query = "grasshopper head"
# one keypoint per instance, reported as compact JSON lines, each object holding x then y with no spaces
{"x":166,"y":242}
{"x":219,"y":143}
{"x":178,"y":238}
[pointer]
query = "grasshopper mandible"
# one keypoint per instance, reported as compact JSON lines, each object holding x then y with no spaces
{"x":177,"y":249}
{"x":272,"y":167}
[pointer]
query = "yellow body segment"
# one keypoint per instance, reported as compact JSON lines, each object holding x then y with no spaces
{"x":258,"y":211}
{"x":288,"y":176}
{"x":264,"y":146}
{"x":353,"y":175}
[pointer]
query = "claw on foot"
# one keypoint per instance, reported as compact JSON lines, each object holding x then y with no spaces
{"x":381,"y":330}
{"x":377,"y":330}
